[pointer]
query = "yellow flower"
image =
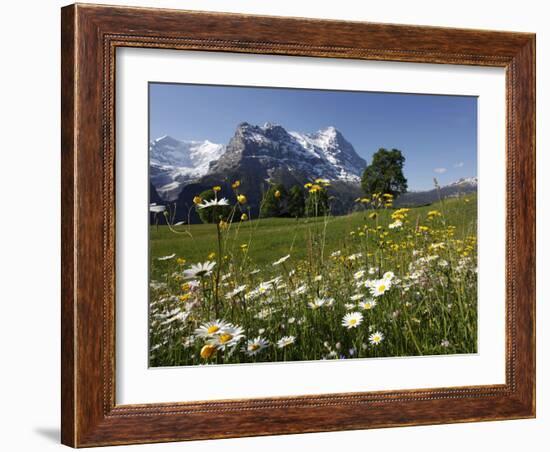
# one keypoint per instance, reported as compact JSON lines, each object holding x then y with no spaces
{"x":197,"y":199}
{"x":315,"y":188}
{"x":277,"y":194}
{"x":226,"y":337}
{"x":217,"y":188}
{"x":241,"y":199}
{"x":185,"y":287}
{"x":207,"y":351}
{"x":180,"y":261}
{"x":308,"y":185}
{"x":244,"y":217}
{"x":365,"y":200}
{"x":433,"y":213}
{"x":212,"y":255}
{"x":236,"y":184}
{"x":373,"y":215}
{"x":184,"y":297}
{"x":244,"y":246}
{"x":223,"y":225}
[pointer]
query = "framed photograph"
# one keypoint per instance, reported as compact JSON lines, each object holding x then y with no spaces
{"x":281,"y":225}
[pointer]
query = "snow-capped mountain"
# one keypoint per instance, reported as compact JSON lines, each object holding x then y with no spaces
{"x":276,"y":152}
{"x":464,"y":182}
{"x":461,"y":186}
{"x":258,"y":156}
{"x":173,"y":163}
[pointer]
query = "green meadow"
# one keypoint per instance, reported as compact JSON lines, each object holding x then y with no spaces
{"x":270,"y":238}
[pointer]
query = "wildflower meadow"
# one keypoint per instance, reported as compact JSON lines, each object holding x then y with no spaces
{"x":378,"y":282}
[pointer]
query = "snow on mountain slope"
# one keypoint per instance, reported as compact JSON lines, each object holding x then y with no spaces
{"x":325,"y":153}
{"x":174,"y":162}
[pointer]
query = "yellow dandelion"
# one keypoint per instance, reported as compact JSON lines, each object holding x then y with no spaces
{"x":236,"y":184}
{"x":197,"y":199}
{"x":180,"y":261}
{"x":217,"y":188}
{"x":241,"y":199}
{"x":277,"y":194}
{"x":244,"y":217}
{"x":212,"y":255}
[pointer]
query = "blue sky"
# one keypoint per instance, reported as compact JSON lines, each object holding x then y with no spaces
{"x":437,"y":134}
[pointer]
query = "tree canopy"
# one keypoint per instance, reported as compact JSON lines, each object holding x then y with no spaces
{"x":385,"y":173}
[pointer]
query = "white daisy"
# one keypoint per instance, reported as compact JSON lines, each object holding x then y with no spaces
{"x":318,"y":278}
{"x":285,"y":341}
{"x":320,"y":302}
{"x":228,"y":338}
{"x":194,"y":284}
{"x":213,"y":203}
{"x":356,"y":297}
{"x":367,"y":304}
{"x":264,"y":287}
{"x":379,"y":287}
{"x":210,"y":329}
{"x":281,"y":260}
{"x":376,"y":337}
{"x":373,"y":270}
{"x":154,"y":208}
{"x":300,"y":290}
{"x":255,"y":346}
{"x":359,"y":274}
{"x":349,"y":306}
{"x":236,"y":291}
{"x":336,"y":253}
{"x":166,"y":258}
{"x":199,"y":270}
{"x":388,"y":275}
{"x":395,"y":225}
{"x":352,"y":320}
{"x":354,"y":257}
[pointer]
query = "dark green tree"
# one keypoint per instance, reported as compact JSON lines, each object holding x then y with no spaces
{"x":213,"y":214}
{"x":274,"y":203}
{"x":385,"y":173}
{"x":296,"y":202}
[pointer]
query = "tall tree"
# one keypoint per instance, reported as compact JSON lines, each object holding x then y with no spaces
{"x":296,"y":201}
{"x":385,"y":173}
{"x":274,"y":203}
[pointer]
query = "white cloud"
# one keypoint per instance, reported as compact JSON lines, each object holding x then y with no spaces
{"x":440,"y":170}
{"x":458,"y":165}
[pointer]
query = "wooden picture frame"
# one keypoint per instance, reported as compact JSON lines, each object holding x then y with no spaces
{"x":90,"y":36}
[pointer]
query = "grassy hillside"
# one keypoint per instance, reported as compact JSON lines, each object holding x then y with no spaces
{"x":269,"y":239}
